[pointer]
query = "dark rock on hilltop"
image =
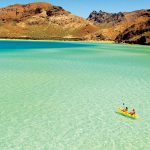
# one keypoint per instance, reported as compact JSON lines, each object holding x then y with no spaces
{"x":55,"y":11}
{"x":104,"y":17}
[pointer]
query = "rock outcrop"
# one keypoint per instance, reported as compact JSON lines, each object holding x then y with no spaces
{"x":104,"y":17}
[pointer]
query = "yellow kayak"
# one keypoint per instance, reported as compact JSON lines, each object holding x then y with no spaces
{"x":127,"y":114}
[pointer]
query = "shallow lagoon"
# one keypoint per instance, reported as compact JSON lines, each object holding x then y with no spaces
{"x":63,"y":95}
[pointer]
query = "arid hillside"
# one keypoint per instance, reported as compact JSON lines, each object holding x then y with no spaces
{"x":42,"y":20}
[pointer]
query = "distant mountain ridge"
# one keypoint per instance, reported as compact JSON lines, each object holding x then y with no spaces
{"x":41,"y":20}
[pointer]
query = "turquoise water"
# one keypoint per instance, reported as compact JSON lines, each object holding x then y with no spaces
{"x":63,"y":96}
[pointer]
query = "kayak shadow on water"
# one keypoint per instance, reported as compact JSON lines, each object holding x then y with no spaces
{"x":125,"y":115}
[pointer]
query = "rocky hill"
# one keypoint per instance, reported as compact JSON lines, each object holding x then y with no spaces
{"x":128,"y":27}
{"x":42,"y":21}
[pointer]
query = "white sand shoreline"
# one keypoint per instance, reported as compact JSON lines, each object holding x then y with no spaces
{"x":57,"y":40}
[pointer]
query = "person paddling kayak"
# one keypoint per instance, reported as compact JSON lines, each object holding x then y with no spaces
{"x":125,"y":109}
{"x":132,"y":112}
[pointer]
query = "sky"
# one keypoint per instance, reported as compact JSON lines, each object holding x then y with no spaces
{"x":84,"y":7}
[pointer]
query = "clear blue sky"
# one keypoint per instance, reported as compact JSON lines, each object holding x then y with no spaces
{"x":84,"y":7}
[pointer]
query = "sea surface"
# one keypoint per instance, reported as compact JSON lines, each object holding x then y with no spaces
{"x":64,"y":96}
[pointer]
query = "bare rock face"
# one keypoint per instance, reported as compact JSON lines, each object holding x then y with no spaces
{"x":104,"y":17}
{"x":136,"y":34}
{"x":56,"y":11}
